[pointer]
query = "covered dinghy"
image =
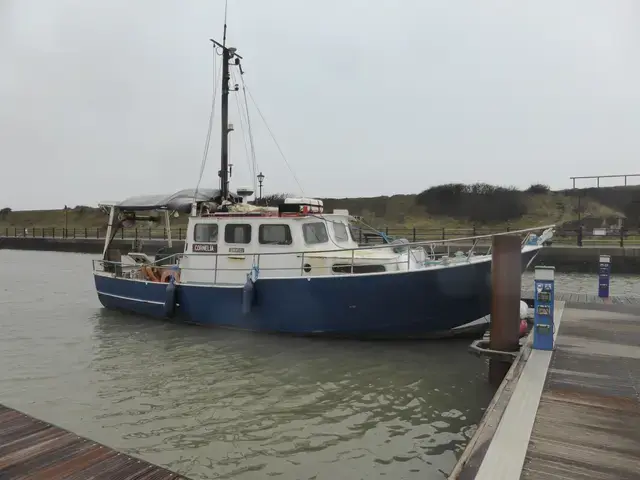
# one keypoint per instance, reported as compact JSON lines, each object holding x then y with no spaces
{"x":180,"y":201}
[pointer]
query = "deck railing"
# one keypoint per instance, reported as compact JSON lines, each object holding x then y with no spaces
{"x":348,"y":260}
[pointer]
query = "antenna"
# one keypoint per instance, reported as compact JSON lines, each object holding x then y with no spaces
{"x":224,"y":30}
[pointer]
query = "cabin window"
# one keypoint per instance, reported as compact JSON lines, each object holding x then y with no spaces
{"x":315,"y":233}
{"x":343,"y":268}
{"x":237,"y":233}
{"x":341,"y":231}
{"x":205,"y":233}
{"x":279,"y":234}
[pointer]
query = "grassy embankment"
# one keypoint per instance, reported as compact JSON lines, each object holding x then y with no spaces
{"x":445,"y":206}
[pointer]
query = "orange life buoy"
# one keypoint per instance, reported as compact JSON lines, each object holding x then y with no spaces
{"x":149,"y":273}
{"x":168,"y":273}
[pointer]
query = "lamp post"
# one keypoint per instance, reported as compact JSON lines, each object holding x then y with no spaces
{"x":65,"y":221}
{"x":579,"y":238}
{"x":260,"y":180}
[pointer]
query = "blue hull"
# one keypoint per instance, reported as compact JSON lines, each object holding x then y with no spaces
{"x":407,"y":304}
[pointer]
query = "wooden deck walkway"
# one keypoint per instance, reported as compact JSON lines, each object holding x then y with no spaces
{"x":573,"y":297}
{"x":30,"y":448}
{"x":588,"y":421}
{"x":573,"y":413}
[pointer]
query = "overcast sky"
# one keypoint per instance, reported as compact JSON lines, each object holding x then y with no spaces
{"x":103,"y":99}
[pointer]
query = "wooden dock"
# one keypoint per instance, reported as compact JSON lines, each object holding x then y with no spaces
{"x":588,"y":420}
{"x":574,"y":297}
{"x":573,"y":413}
{"x":31,"y":448}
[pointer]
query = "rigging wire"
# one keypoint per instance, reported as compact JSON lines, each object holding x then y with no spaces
{"x":210,"y":129}
{"x":251,"y":143}
{"x":273,"y":136}
{"x":375,"y":230}
{"x":244,"y":139}
{"x":252,"y":161}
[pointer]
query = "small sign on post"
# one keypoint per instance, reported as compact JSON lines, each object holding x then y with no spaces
{"x":604,"y":276}
{"x":543,"y":325}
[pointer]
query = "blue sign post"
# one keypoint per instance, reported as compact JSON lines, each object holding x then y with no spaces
{"x":543,"y":326}
{"x":604,"y":276}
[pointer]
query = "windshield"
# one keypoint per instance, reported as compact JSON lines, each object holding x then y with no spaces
{"x":314,"y":233}
{"x":341,"y":232}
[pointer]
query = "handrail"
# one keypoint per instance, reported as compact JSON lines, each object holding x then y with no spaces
{"x":240,"y":269}
{"x":410,"y":249}
{"x":408,"y":245}
{"x":459,"y":239}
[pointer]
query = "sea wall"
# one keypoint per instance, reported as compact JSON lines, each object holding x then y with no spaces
{"x":77,"y":245}
{"x":564,"y":258}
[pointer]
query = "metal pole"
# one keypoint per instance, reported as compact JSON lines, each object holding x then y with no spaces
{"x":224,"y":137}
{"x":506,"y":279}
{"x":167,"y":225}
{"x":579,"y":209}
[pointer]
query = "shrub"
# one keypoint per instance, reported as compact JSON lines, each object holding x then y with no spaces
{"x":538,"y":188}
{"x":82,"y":209}
{"x":271,"y":200}
{"x":478,"y":203}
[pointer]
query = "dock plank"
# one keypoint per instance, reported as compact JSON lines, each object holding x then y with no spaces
{"x":31,"y":448}
{"x":588,"y":420}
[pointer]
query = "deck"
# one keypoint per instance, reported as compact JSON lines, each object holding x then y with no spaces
{"x":31,"y":448}
{"x":573,"y":413}
{"x":588,"y":421}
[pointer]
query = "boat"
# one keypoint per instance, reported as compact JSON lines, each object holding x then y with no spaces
{"x":290,"y":268}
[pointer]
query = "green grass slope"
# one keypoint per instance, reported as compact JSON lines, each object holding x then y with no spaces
{"x":449,"y":206}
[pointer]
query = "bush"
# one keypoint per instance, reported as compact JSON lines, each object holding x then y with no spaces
{"x":4,"y":212}
{"x":538,"y":188}
{"x":478,"y":203}
{"x":82,"y":209}
{"x":271,"y":200}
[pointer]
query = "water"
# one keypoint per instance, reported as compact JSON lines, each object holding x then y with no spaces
{"x":588,"y":283}
{"x":221,"y":404}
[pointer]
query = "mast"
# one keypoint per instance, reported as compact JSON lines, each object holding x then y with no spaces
{"x":229,"y":57}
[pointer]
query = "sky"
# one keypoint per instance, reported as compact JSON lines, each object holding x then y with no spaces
{"x":104,"y":99}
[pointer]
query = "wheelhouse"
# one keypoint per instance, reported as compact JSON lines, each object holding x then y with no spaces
{"x":222,"y":247}
{"x":297,"y":240}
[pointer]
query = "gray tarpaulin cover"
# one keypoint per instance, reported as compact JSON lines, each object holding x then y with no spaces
{"x":180,"y":201}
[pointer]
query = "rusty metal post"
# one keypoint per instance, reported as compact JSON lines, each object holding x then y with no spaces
{"x":506,"y":280}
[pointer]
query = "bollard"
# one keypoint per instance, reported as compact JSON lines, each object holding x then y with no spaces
{"x":604,"y":276}
{"x":543,"y":326}
{"x":506,"y":279}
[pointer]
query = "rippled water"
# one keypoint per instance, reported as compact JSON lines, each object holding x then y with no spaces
{"x":221,"y":404}
{"x":588,"y":283}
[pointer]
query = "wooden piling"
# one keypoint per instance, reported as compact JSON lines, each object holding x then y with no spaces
{"x":506,"y":279}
